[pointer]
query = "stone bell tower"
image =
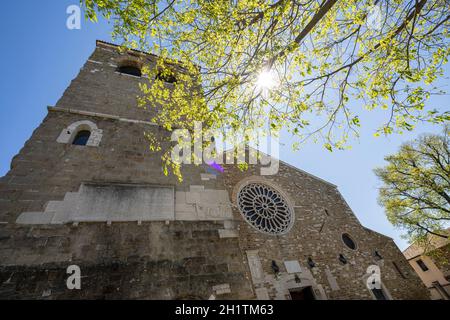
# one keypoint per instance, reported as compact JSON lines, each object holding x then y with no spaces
{"x":85,"y":190}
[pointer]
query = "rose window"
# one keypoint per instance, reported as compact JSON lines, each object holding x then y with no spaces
{"x":265,"y":208}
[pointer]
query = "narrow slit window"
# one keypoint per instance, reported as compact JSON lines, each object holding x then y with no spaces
{"x":422,"y":265}
{"x":342,"y":259}
{"x":81,"y":138}
{"x":379,"y":294}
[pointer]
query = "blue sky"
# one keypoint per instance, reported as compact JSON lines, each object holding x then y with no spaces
{"x":40,"y":57}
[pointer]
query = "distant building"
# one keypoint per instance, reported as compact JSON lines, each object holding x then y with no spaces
{"x":86,"y":190}
{"x":432,"y":265}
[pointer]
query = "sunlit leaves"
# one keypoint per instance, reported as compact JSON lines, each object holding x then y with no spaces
{"x":416,"y":185}
{"x":341,"y":67}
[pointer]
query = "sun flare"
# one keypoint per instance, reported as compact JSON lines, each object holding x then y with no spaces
{"x":266,"y":80}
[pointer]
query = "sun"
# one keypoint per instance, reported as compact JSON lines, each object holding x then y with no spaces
{"x":266,"y":81}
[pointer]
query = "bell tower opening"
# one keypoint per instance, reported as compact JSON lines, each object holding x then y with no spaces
{"x":81,"y":138}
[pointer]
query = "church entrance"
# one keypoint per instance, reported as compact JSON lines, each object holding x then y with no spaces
{"x":305,"y":293}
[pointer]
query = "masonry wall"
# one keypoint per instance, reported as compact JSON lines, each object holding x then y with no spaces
{"x":100,"y":88}
{"x":158,"y":260}
{"x":322,"y":216}
{"x":137,"y":259}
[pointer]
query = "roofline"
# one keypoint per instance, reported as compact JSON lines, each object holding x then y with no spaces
{"x":413,"y":257}
{"x":109,"y":44}
{"x":408,"y":247}
{"x":380,"y":234}
{"x":178,"y":63}
{"x":288,"y":165}
{"x":307,"y":173}
{"x":322,"y":180}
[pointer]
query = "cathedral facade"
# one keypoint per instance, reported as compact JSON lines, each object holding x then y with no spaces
{"x":86,"y":191}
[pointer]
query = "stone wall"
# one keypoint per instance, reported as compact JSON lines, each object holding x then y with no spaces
{"x":170,"y":259}
{"x":100,"y":88}
{"x":322,"y":216}
{"x":123,"y":261}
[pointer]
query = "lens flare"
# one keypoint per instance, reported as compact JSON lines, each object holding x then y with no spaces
{"x":266,"y":80}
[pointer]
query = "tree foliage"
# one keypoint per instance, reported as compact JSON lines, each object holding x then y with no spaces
{"x":416,"y":186}
{"x":330,"y":61}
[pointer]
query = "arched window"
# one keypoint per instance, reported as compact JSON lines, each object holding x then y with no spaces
{"x":130,"y":69}
{"x":167,"y":77}
{"x":82,"y":133}
{"x":81,"y":138}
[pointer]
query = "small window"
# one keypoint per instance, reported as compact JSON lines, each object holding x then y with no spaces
{"x":422,"y":265}
{"x":348,"y":241}
{"x":131,"y":70}
{"x":81,"y":138}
